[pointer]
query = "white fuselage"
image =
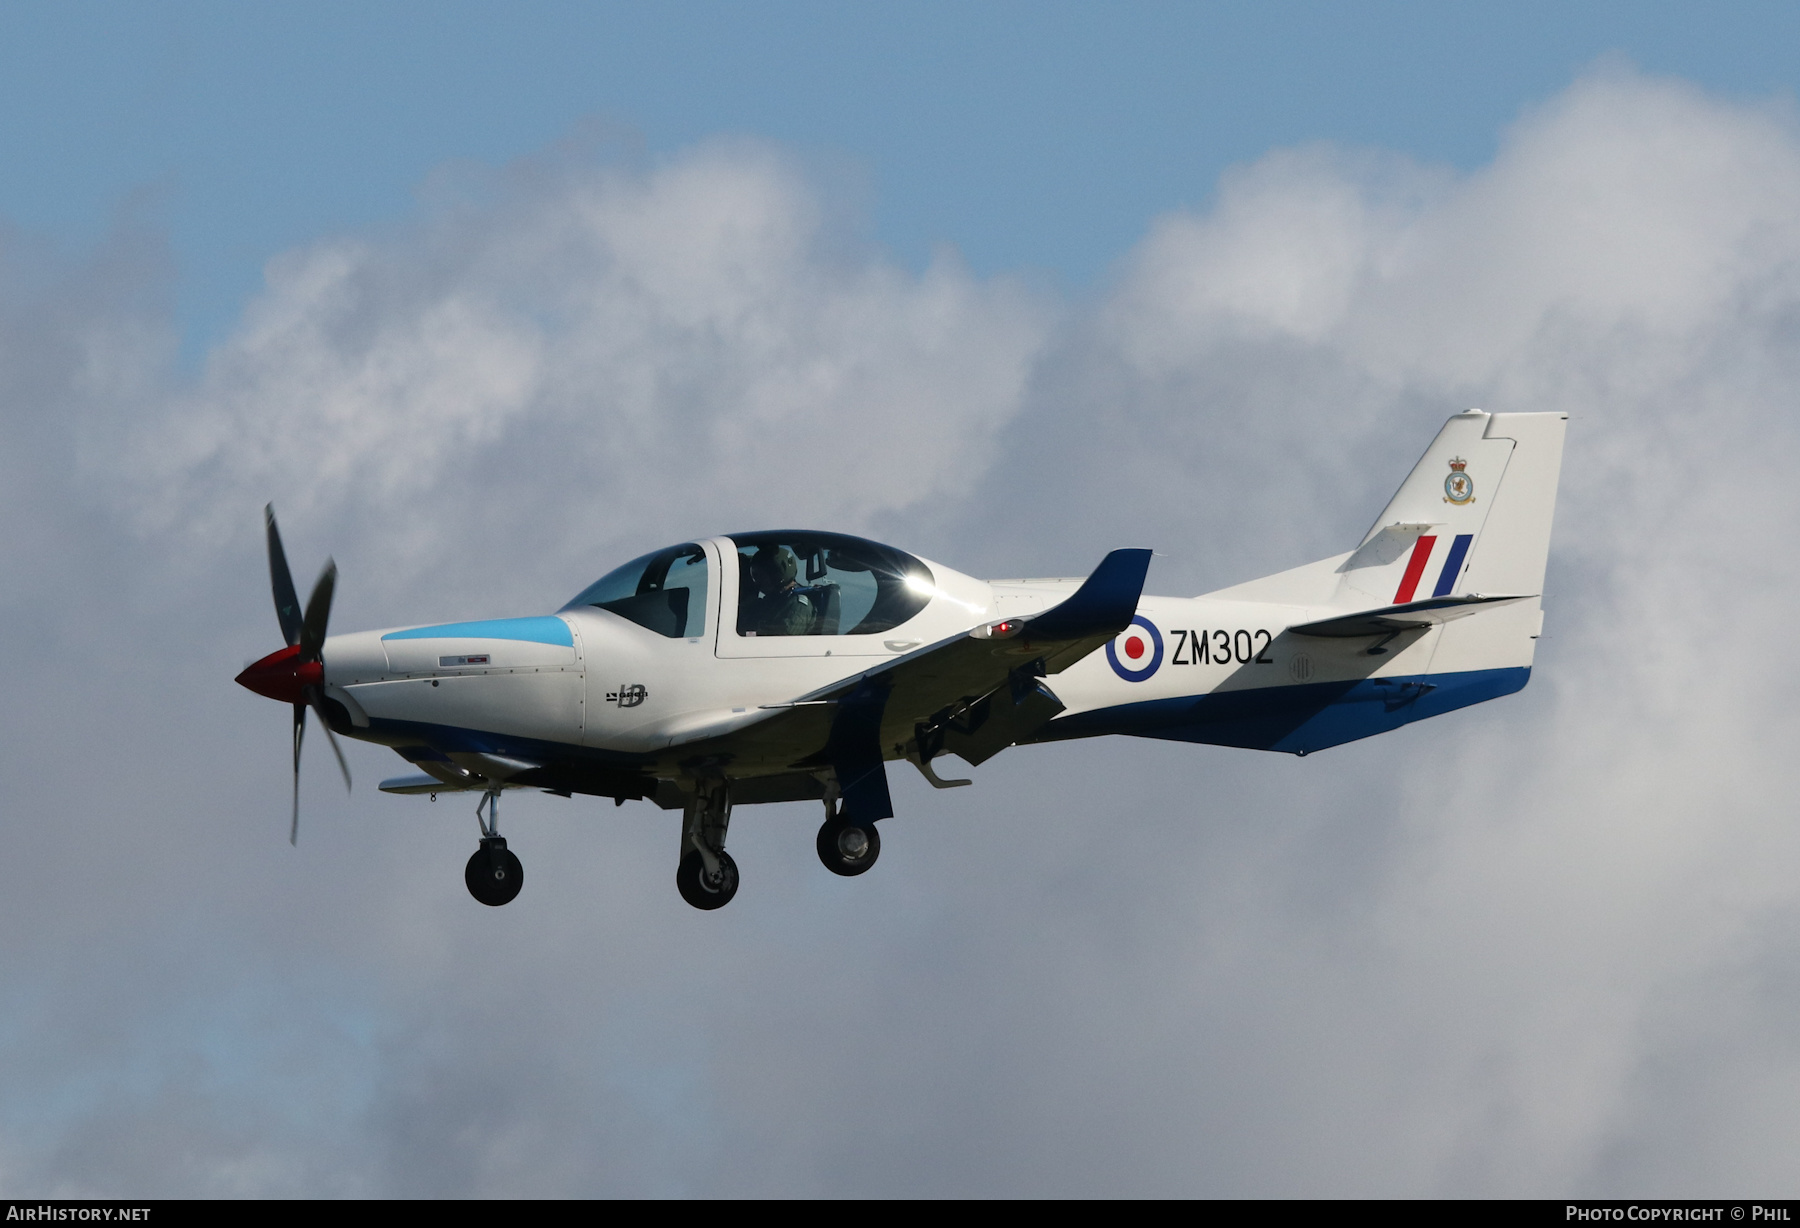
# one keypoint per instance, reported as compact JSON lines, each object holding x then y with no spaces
{"x":614,"y":686}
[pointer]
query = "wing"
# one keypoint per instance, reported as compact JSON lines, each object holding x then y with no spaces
{"x":973,"y":693}
{"x":425,"y":784}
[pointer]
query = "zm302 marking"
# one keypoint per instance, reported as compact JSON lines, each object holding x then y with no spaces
{"x":1238,"y":647}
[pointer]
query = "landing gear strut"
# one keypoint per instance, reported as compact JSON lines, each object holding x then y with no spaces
{"x":707,"y":877}
{"x":847,"y":846}
{"x":493,"y":874}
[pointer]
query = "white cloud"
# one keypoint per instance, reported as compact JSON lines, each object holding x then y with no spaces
{"x":1571,"y":879}
{"x":1542,"y":947}
{"x":666,"y":348}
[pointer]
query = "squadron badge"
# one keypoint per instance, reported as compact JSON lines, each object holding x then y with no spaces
{"x":1459,"y":487}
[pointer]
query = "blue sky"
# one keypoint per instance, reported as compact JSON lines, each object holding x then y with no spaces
{"x":1031,"y":136}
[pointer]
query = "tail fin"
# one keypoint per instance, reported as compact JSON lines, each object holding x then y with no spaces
{"x":1472,"y":517}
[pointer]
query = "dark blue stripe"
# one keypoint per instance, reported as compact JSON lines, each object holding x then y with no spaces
{"x":449,"y":739}
{"x":1452,"y":565}
{"x":1296,"y":719}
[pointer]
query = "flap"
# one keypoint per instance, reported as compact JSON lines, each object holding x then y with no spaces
{"x":999,"y":720}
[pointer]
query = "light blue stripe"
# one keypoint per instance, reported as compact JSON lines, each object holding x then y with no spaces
{"x":544,"y":630}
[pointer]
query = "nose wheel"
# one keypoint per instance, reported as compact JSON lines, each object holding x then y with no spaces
{"x":848,"y":846}
{"x":493,"y":874}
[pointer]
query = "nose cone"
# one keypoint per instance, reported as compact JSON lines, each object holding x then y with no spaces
{"x":282,"y":675}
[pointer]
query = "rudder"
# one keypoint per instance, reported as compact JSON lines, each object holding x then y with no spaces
{"x":1515,"y":542}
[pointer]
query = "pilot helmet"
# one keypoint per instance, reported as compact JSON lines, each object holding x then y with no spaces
{"x":777,"y":563}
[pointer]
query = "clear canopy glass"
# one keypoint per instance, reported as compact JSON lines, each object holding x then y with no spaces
{"x":663,"y":592}
{"x":802,"y":583}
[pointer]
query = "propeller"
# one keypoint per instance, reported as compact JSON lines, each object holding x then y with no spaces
{"x":296,"y":674}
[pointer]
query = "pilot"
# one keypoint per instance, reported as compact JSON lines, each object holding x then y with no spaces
{"x":782,"y":607}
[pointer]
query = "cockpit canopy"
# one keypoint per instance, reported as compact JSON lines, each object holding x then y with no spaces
{"x":789,"y":583}
{"x":799,"y":583}
{"x":663,"y":592}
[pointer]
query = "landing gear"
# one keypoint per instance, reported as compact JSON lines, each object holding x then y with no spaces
{"x":493,"y":874}
{"x":707,"y":876}
{"x":847,"y":846}
{"x":703,"y":888}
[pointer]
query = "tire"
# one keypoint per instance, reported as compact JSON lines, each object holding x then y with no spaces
{"x":696,"y":889}
{"x":494,"y":874}
{"x":837,"y":845}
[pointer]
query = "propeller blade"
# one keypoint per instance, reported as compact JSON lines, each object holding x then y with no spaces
{"x":299,"y":734}
{"x":287,"y":601}
{"x":318,"y":614}
{"x":305,"y":631}
{"x":317,"y":699}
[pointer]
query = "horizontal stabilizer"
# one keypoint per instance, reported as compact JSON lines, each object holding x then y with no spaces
{"x":1413,"y":615}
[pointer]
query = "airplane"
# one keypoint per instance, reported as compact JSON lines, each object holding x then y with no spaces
{"x":783,"y":666}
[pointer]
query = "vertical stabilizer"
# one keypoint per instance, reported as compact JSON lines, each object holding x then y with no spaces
{"x":1472,"y":516}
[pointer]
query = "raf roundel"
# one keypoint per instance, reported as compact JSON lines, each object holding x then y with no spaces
{"x":1137,"y":652}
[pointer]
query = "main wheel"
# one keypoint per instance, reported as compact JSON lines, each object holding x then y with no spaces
{"x":494,"y":874}
{"x":848,"y":847}
{"x":701,"y":889}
